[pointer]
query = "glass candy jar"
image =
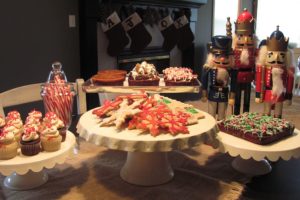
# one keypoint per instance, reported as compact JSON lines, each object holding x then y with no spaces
{"x":58,"y":94}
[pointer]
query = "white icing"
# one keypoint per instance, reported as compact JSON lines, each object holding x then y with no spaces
{"x":11,"y":128}
{"x":13,"y":114}
{"x":32,"y":120}
{"x":6,"y":137}
{"x":35,"y":114}
{"x":178,"y":74}
{"x":17,"y":122}
{"x":50,"y":131}
{"x":30,"y":134}
{"x":144,"y":69}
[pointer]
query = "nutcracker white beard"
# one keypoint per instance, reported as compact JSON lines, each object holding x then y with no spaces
{"x":222,"y":76}
{"x":244,"y":57}
{"x":277,"y":88}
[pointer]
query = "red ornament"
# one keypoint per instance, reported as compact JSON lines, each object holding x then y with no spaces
{"x":245,"y":16}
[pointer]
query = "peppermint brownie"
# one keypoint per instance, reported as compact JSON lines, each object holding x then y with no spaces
{"x":257,"y":128}
{"x":179,"y":76}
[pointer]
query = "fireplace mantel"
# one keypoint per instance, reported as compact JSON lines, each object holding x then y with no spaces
{"x":169,"y":3}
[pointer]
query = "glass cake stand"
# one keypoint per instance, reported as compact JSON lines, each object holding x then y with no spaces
{"x":147,"y":163}
{"x":252,"y":158}
{"x":26,"y":172}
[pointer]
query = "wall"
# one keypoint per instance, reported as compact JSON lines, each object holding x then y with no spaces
{"x":203,"y":33}
{"x":34,"y":33}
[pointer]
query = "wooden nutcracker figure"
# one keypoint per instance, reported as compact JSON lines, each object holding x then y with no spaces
{"x":217,"y":75}
{"x":244,"y":46}
{"x":274,"y":74}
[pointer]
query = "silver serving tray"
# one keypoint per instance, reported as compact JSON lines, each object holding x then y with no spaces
{"x":90,"y":87}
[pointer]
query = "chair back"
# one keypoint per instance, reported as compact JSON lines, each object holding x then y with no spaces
{"x":31,"y":93}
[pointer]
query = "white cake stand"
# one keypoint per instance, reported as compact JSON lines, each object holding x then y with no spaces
{"x":147,"y":163}
{"x":252,"y":158}
{"x":26,"y":172}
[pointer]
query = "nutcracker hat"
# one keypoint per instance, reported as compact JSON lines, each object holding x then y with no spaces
{"x":244,"y":24}
{"x":277,"y":41}
{"x":220,"y":45}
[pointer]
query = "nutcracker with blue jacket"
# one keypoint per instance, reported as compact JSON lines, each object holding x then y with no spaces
{"x":217,"y":76}
{"x":244,"y":46}
{"x":275,"y":74}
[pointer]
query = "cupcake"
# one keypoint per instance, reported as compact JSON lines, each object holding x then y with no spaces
{"x":50,"y":137}
{"x":17,"y":132}
{"x":33,"y":121}
{"x":36,"y":114}
{"x":30,"y":141}
{"x":2,"y":122}
{"x":13,"y":115}
{"x":8,"y":145}
{"x":143,"y":74}
{"x":51,"y":118}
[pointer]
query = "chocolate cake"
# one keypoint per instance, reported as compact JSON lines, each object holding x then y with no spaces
{"x":143,"y":74}
{"x":179,"y":76}
{"x":257,"y":128}
{"x":109,"y":77}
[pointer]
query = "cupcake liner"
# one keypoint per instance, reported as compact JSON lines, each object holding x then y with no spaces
{"x":30,"y":148}
{"x":52,"y":144}
{"x":8,"y":151}
{"x":63,"y":133}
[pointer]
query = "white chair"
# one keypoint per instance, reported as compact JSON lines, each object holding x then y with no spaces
{"x":31,"y":93}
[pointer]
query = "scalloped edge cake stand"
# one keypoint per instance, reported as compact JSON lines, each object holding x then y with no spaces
{"x":147,"y":161}
{"x":252,"y":159}
{"x":23,"y":173}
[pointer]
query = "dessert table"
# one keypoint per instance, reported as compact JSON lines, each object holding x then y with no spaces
{"x":253,"y":158}
{"x":147,"y":163}
{"x":26,"y":172}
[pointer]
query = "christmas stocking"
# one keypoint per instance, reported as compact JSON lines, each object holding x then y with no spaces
{"x":185,"y":34}
{"x":140,"y":37}
{"x":169,"y":32}
{"x":115,"y":33}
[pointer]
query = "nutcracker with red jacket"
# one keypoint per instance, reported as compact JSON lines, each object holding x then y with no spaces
{"x":274,"y":74}
{"x":217,"y":75}
{"x":244,"y":47}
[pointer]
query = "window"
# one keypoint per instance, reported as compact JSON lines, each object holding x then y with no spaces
{"x":222,"y":10}
{"x":271,"y":13}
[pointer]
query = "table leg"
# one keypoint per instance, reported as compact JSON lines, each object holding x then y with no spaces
{"x":27,"y":181}
{"x":251,"y":166}
{"x":147,"y":169}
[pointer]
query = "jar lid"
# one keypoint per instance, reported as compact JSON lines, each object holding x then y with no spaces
{"x":57,"y":75}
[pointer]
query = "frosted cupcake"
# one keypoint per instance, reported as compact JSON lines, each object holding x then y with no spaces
{"x":51,"y":118}
{"x":36,"y":114}
{"x":50,"y":137}
{"x":13,"y":115}
{"x":8,"y":145}
{"x":33,"y":121}
{"x":30,"y":141}
{"x":14,"y":128}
